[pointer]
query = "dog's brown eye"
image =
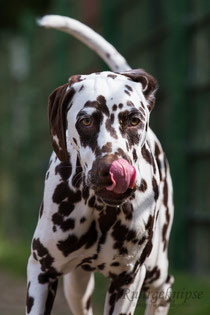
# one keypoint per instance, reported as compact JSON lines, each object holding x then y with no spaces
{"x":86,"y":121}
{"x":134,"y":121}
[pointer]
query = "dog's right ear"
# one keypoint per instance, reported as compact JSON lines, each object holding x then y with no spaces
{"x":59,"y":101}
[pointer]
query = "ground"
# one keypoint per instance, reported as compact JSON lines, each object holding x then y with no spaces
{"x":13,"y":292}
{"x":191,"y":296}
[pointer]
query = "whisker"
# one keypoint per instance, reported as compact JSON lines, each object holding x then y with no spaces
{"x":77,"y":177}
{"x":67,"y":166}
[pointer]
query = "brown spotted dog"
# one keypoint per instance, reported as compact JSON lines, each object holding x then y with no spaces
{"x":107,"y":202}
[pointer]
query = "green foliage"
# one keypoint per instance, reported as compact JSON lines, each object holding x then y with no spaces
{"x":14,"y":256}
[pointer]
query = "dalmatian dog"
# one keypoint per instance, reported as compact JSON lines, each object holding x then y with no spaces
{"x":107,"y":203}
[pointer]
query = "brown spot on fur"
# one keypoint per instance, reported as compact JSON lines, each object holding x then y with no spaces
{"x":87,"y":267}
{"x":165,"y":228}
{"x":157,"y":153}
{"x":62,"y":191}
{"x":165,"y":194}
{"x":106,"y":220}
{"x":142,"y":240}
{"x":52,"y":288}
{"x":101,"y":266}
{"x":91,"y":202}
{"x":64,"y":169}
{"x":143,"y":185}
{"x":88,"y":303}
{"x":129,"y":87}
{"x":152,"y":275}
{"x":165,"y":202}
{"x":130,"y":104}
{"x":113,"y":76}
{"x":148,"y":157}
{"x":119,"y":234}
{"x":29,"y":300}
{"x":41,"y":209}
{"x":134,"y":155}
{"x":111,"y":129}
{"x":73,"y":243}
{"x":114,"y":107}
{"x":122,"y":154}
{"x":128,"y":210}
{"x":115,"y":264}
{"x":45,"y":260}
{"x":82,"y":220}
{"x":146,"y":154}
{"x":127,"y":92}
{"x":155,"y":188}
{"x":107,"y":148}
{"x":102,"y":101}
{"x":65,"y":225}
{"x":112,"y":118}
{"x":81,"y":88}
{"x":148,"y":247}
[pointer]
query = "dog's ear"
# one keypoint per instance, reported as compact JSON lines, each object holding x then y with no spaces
{"x":57,"y":108}
{"x":149,"y":84}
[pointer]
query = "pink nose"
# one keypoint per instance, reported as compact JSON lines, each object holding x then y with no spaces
{"x":123,"y":176}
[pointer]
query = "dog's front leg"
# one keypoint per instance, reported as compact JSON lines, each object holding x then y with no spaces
{"x":123,"y":293}
{"x":41,"y":289}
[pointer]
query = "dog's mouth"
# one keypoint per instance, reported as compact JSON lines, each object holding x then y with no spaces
{"x":114,"y":181}
{"x":112,"y":198}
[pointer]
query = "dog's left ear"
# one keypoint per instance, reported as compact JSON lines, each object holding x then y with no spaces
{"x":149,"y":84}
{"x":57,"y":108}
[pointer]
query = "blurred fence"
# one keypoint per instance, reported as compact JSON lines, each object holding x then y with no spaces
{"x":169,"y":40}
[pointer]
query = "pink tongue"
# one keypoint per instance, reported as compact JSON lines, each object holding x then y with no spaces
{"x":123,"y":176}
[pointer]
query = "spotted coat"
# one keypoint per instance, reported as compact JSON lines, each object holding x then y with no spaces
{"x":78,"y":227}
{"x":82,"y":228}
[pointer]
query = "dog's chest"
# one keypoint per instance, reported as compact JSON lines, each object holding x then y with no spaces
{"x":113,"y":244}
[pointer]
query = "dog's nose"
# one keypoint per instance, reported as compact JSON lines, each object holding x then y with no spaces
{"x":103,"y":172}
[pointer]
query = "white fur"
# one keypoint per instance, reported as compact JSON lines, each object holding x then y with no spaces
{"x":77,"y":283}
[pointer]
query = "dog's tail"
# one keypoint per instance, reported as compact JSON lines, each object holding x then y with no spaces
{"x":85,"y":34}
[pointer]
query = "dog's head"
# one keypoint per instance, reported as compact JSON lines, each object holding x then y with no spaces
{"x":107,"y":116}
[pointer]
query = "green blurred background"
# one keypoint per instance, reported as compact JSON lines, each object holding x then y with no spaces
{"x":169,"y":39}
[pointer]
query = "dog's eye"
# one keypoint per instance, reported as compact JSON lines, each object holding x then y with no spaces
{"x":134,"y":121}
{"x":87,"y":121}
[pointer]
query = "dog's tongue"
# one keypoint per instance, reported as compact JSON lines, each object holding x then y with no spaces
{"x":123,"y":176}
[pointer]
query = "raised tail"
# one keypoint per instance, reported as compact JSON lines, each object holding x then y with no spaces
{"x":85,"y":34}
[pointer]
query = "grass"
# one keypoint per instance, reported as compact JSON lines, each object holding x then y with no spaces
{"x":191,"y":294}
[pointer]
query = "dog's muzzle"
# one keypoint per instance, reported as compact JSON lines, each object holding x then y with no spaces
{"x":112,"y":179}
